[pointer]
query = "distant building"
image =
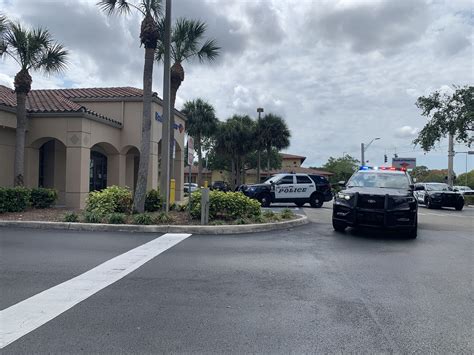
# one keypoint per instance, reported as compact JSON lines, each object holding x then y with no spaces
{"x":79,"y":140}
{"x":289,"y":163}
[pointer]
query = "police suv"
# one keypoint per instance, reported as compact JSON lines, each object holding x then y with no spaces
{"x":377,"y":197}
{"x":295,"y":188}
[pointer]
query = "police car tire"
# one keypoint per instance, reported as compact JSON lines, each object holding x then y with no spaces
{"x":339,"y":226}
{"x":459,"y":206}
{"x":316,"y":200}
{"x":265,"y":200}
{"x":412,"y":233}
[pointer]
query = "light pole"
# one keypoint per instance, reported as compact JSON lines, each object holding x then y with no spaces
{"x":259,"y":110}
{"x":363,"y":149}
{"x":470,"y":152}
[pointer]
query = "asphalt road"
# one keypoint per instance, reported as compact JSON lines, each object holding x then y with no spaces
{"x":304,"y":290}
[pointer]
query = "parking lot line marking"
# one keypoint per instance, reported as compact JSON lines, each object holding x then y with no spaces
{"x":25,"y":316}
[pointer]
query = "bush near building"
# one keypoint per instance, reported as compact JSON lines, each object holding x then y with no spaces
{"x":113,"y":199}
{"x":18,"y":199}
{"x":226,"y":206}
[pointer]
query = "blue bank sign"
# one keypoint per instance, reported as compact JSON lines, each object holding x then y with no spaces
{"x":159,"y":118}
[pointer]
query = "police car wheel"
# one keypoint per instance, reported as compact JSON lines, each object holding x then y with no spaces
{"x":459,"y":206}
{"x":265,"y":200}
{"x":316,"y":200}
{"x":339,"y":226}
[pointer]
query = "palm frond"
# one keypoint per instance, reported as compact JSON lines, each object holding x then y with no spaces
{"x":54,"y":59}
{"x":3,"y":30}
{"x":16,"y":39}
{"x":111,"y":7}
{"x":152,"y":7}
{"x":210,"y":51}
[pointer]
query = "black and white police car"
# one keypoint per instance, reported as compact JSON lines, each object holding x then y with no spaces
{"x":437,"y":195}
{"x":294,"y":188}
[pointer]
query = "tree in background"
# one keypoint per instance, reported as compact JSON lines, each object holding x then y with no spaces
{"x":342,"y":168}
{"x":201,"y":125}
{"x":234,"y":141}
{"x":275,"y":159}
{"x":448,"y":114}
{"x":419,"y":173}
{"x":33,"y":50}
{"x":273,"y":134}
{"x":187,"y":42}
{"x":149,"y":35}
{"x":466,"y":179}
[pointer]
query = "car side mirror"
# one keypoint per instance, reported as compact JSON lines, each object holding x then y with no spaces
{"x":456,"y":190}
{"x":342,"y":183}
{"x":411,"y":187}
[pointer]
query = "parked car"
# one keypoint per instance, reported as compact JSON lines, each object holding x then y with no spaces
{"x":377,"y":197}
{"x":220,"y":185}
{"x":437,"y":195}
{"x":190,"y":187}
{"x":295,"y":188}
{"x":464,"y":190}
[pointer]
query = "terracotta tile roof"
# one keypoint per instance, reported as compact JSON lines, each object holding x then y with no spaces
{"x":112,"y":92}
{"x":50,"y":101}
{"x":292,"y":156}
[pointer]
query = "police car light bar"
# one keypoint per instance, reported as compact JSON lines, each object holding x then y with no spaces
{"x":382,"y":168}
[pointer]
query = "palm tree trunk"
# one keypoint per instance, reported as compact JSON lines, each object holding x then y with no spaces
{"x":176,"y":78}
{"x":19,"y":169}
{"x":140,"y":191}
{"x":268,"y":161}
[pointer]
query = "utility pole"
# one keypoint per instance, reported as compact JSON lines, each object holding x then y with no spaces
{"x":259,"y":110}
{"x":165,"y":134}
{"x":450,"y":160}
{"x":362,"y":151}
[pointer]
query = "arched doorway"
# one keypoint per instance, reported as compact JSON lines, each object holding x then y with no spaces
{"x":51,"y":156}
{"x":103,"y":170}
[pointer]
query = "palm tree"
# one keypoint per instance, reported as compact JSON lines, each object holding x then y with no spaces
{"x":201,"y":124}
{"x":3,"y":30}
{"x":274,"y":134}
{"x":33,"y":50}
{"x":149,"y":35}
{"x":186,"y":38}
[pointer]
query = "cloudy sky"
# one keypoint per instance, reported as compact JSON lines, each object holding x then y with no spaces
{"x":340,"y":72}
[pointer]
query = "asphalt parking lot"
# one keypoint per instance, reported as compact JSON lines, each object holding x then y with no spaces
{"x":303,"y":290}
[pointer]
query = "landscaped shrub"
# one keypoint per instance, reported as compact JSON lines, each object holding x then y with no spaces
{"x":153,"y":201}
{"x":268,"y":214}
{"x":71,"y":217}
{"x":117,"y":218}
{"x":110,"y":200}
{"x":287,"y":214}
{"x":92,"y":217}
{"x":142,"y":218}
{"x":42,"y":198}
{"x":14,"y":199}
{"x":163,"y":218}
{"x":226,"y":205}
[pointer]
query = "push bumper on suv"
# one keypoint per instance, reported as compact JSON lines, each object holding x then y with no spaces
{"x":376,"y":211}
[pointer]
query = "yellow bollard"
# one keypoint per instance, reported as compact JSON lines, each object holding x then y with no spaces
{"x":205,"y":184}
{"x":172,"y":191}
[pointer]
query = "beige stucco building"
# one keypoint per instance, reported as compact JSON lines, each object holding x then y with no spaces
{"x":80,"y":140}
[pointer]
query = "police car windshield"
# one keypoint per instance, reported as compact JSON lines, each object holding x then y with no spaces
{"x":271,"y":179}
{"x":379,"y":179}
{"x":438,"y":187}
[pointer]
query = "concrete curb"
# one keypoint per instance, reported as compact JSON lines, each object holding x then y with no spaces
{"x":193,"y":229}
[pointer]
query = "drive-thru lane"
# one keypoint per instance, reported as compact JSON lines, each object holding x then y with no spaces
{"x":303,"y":290}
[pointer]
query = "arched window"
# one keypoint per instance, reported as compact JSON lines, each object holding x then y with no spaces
{"x":98,"y":171}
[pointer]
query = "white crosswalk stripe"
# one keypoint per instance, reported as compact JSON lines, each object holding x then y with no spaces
{"x":25,"y":316}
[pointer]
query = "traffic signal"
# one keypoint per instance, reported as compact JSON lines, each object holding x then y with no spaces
{"x":385,"y":159}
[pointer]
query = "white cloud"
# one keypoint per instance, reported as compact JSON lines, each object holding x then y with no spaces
{"x":406,"y":132}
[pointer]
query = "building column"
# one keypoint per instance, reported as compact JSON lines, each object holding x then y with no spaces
{"x":77,"y":176}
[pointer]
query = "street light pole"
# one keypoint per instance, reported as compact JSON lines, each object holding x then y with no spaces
{"x":363,"y":149}
{"x":259,"y":110}
{"x":165,"y":134}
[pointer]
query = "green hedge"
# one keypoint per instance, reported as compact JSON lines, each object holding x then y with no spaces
{"x":43,"y":198}
{"x":17,"y":199}
{"x":113,"y":199}
{"x":153,"y":201}
{"x":226,"y":205}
